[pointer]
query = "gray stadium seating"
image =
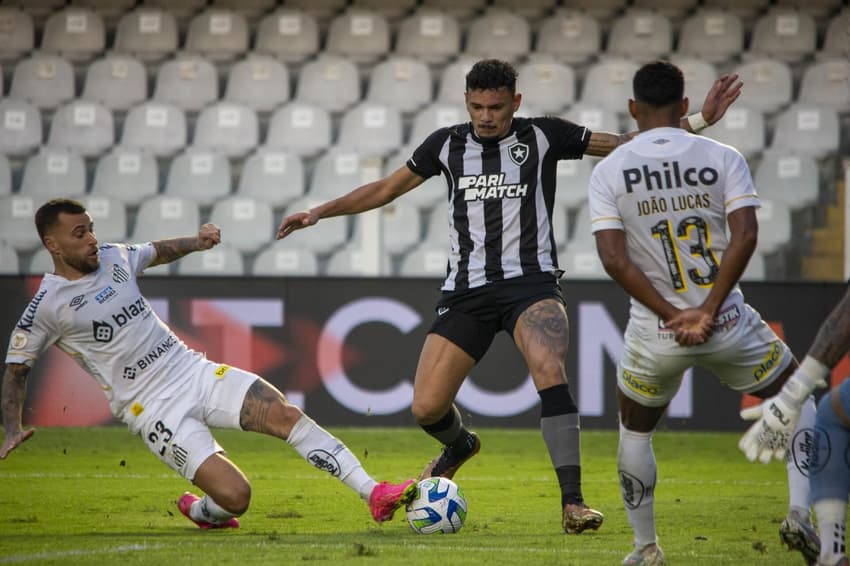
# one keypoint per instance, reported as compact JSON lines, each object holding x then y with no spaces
{"x":126,"y":174}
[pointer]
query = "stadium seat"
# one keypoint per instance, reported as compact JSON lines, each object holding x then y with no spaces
{"x":20,"y":127}
{"x":743,"y":128}
{"x":836,"y":42}
{"x":433,"y":117}
{"x":429,"y":36}
{"x":548,"y":86}
{"x":608,"y":84}
{"x":400,"y":82}
{"x":126,"y":174}
{"x":774,"y":219}
{"x":747,"y":10}
{"x":453,"y":81}
{"x":288,"y":34}
{"x":109,"y":216}
{"x":199,"y":175}
{"x":428,"y":259}
{"x":258,"y":82}
{"x":699,"y":78}
{"x":331,"y":82}
{"x":189,"y":82}
{"x":400,"y":227}
{"x":571,"y":36}
{"x":40,"y":262}
{"x":300,"y":128}
{"x":83,"y":127}
{"x":769,"y":84}
{"x":9,"y":261}
{"x":361,"y":36}
{"x":5,"y":176}
{"x":392,"y":10}
{"x":580,"y":231}
{"x":640,"y":35}
{"x":531,"y":10}
{"x":273,"y":176}
{"x":246,"y":224}
{"x":220,"y":261}
{"x":228,"y":128}
{"x":573,"y":176}
{"x":77,"y":34}
{"x":147,"y":33}
{"x":118,"y":82}
{"x":426,"y":195}
{"x":827,"y":83}
{"x":498,"y":34}
{"x":327,"y":235}
{"x":157,"y":127}
{"x":340,"y":170}
{"x":39,"y":10}
{"x":791,"y":177}
{"x":218,"y":35}
{"x":673,"y":9}
{"x":17,"y":34}
{"x":322,"y":10}
{"x":816,"y":8}
{"x":164,"y":217}
{"x":594,"y":118}
{"x":602,"y":10}
{"x":756,"y":269}
{"x":580,"y":260}
{"x":783,"y":34}
{"x":715,"y":36}
{"x":437,"y":226}
{"x":47,"y":81}
{"x":110,"y":11}
{"x":352,"y":261}
{"x":53,"y":172}
{"x":16,"y":217}
{"x":281,"y":258}
{"x":463,"y":10}
{"x":251,"y":9}
{"x":372,"y":129}
{"x":809,"y":129}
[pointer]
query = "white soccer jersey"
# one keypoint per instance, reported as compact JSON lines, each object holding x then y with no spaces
{"x":105,"y":324}
{"x":671,"y":191}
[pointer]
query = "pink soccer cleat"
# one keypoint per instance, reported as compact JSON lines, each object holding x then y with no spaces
{"x":387,"y":497}
{"x":185,"y":504}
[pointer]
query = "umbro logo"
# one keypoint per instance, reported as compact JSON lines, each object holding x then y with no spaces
{"x":78,"y":302}
{"x":518,"y":152}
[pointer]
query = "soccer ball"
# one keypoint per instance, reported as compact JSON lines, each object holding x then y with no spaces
{"x":439,"y":507}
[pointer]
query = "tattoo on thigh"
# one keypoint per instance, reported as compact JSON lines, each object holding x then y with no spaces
{"x":255,"y":408}
{"x":548,"y":325}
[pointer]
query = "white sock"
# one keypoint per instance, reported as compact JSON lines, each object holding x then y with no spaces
{"x":832,"y":526}
{"x":797,"y":460}
{"x":322,"y":450}
{"x":205,"y":509}
{"x":638,"y":470}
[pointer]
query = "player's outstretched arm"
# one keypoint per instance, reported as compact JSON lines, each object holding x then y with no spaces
{"x":363,"y":198}
{"x":170,"y":250}
{"x":723,"y":93}
{"x":14,"y":393}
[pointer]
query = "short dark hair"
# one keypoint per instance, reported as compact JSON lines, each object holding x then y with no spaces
{"x":48,"y":214}
{"x":491,"y":74}
{"x":658,"y":84}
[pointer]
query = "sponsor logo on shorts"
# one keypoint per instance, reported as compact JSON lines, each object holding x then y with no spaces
{"x":221,"y":370}
{"x":727,"y":318}
{"x":769,"y":362}
{"x":179,"y":454}
{"x":639,"y":386}
{"x":19,"y":340}
{"x":324,"y":460}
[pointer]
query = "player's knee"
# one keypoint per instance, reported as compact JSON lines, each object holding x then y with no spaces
{"x":424,"y":413}
{"x":548,"y":373}
{"x":236,"y":498}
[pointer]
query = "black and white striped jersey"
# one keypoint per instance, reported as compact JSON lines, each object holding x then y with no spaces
{"x":500,"y":194}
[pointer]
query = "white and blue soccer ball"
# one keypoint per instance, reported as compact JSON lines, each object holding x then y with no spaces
{"x":439,"y":507}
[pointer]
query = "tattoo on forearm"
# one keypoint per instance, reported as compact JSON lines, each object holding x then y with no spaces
{"x":601,"y":144}
{"x":258,"y":402}
{"x":14,"y":393}
{"x":833,"y":338}
{"x":548,"y":326}
{"x":171,"y":250}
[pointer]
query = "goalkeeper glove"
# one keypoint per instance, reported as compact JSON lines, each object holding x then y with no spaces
{"x":776,"y":417}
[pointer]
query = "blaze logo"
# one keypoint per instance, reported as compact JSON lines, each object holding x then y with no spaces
{"x":518,"y":153}
{"x":103,"y":331}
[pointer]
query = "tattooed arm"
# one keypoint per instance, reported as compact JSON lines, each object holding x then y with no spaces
{"x":14,"y":393}
{"x":833,"y":338}
{"x":170,"y":250}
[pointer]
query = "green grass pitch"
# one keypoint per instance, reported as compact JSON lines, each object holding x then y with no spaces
{"x":97,"y":496}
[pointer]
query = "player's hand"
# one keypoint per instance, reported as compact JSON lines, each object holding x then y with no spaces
{"x":692,"y":326}
{"x":208,"y":236}
{"x":295,"y":222}
{"x":13,"y":440}
{"x":768,"y":438}
{"x":720,"y":97}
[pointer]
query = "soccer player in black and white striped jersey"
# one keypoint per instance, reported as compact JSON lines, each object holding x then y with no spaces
{"x":503,"y":269}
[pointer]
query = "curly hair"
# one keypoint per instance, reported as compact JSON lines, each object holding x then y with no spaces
{"x":659,"y":83}
{"x":491,"y":74}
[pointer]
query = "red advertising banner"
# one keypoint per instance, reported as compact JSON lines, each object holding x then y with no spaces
{"x":346,"y":349}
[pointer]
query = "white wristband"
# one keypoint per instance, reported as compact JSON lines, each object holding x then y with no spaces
{"x":697,"y":122}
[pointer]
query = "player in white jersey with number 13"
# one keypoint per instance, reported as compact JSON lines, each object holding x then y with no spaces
{"x":660,"y":206}
{"x":92,"y":309}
